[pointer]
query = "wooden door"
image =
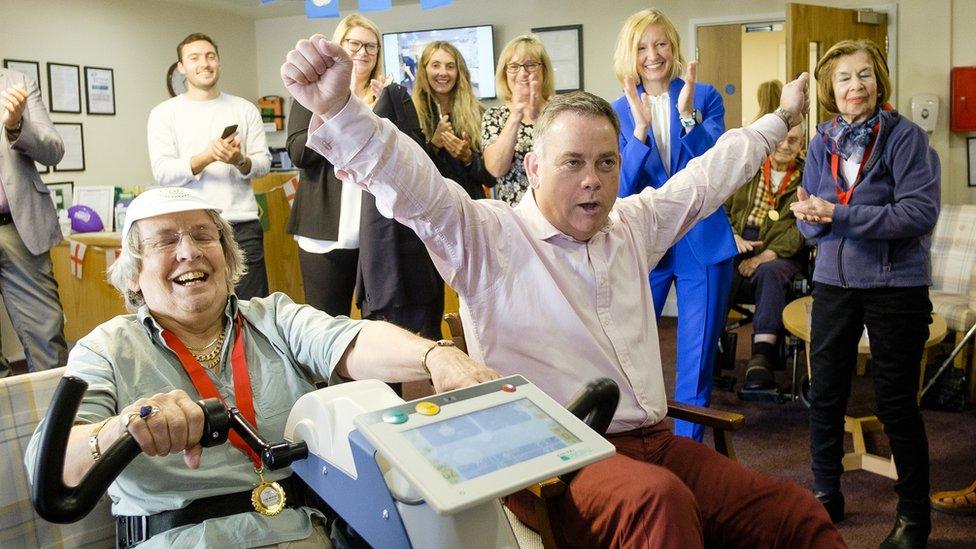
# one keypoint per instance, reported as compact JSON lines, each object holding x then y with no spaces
{"x":812,"y":30}
{"x":719,"y":55}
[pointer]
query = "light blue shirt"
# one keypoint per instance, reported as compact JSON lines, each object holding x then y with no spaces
{"x":288,"y":347}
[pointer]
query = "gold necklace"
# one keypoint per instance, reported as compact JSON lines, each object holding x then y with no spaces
{"x":207,"y":346}
{"x":211,"y":360}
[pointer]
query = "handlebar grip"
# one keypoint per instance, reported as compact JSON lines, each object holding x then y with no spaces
{"x":59,"y":503}
{"x":53,"y":500}
{"x":596,"y":404}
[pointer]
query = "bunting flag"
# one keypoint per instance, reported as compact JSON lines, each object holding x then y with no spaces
{"x":320,"y":9}
{"x":77,"y":257}
{"x":111,"y":256}
{"x":375,"y":5}
{"x":263,"y":213}
{"x":431,"y":4}
{"x":291,"y":188}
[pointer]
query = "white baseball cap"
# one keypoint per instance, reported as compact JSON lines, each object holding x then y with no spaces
{"x":163,"y":200}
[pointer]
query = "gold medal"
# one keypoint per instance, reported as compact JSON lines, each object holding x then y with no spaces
{"x":268,"y":498}
{"x":773,"y":214}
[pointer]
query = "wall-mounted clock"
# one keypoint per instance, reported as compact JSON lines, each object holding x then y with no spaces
{"x":175,"y":81}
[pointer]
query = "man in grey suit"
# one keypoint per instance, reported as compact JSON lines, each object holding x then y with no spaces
{"x":29,"y":224}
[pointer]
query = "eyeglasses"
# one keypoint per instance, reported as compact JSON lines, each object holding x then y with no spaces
{"x":355,"y":45}
{"x":531,"y":66}
{"x":203,"y":236}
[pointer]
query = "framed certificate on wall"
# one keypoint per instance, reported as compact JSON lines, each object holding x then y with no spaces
{"x":74,"y":147}
{"x":99,"y":90}
{"x":64,"y":88}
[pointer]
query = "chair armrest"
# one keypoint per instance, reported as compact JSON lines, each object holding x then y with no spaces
{"x":708,"y":417}
{"x":551,"y":487}
{"x":453,"y":321}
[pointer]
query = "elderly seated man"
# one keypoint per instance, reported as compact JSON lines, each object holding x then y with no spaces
{"x":770,"y":253}
{"x":192,"y":338}
{"x":556,"y":289}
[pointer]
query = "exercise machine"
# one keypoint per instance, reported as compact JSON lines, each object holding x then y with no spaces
{"x":425,"y":473}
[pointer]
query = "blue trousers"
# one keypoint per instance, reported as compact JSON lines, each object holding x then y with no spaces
{"x":30,"y":293}
{"x":703,"y":292}
{"x":766,"y":288}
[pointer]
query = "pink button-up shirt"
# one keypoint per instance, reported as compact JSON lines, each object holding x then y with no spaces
{"x":535,"y":301}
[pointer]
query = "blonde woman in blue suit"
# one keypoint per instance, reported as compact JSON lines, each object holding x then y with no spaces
{"x":665,"y":122}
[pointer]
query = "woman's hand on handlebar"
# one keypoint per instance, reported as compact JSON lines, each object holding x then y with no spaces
{"x":165,"y":423}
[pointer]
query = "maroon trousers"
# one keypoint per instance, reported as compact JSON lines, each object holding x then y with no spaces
{"x":665,"y":491}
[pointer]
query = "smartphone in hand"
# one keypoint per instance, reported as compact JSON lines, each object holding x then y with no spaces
{"x":228,"y":131}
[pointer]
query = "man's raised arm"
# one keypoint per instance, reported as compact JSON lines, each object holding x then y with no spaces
{"x":372,"y":153}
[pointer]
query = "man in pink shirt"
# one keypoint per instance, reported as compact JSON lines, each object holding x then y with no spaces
{"x":555,"y":289}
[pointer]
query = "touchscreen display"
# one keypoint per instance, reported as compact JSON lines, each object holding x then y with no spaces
{"x":475,"y":444}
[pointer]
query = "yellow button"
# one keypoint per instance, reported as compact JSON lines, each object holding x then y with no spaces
{"x":428,"y":408}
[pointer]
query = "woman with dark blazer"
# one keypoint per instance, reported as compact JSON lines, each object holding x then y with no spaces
{"x":384,"y":262}
{"x":665,"y":122}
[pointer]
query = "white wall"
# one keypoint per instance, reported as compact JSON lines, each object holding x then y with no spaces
{"x":137,"y":39}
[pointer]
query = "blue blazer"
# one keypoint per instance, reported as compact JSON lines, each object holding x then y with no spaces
{"x":711,"y":238}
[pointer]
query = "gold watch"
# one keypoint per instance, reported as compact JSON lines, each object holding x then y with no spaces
{"x":438,"y":343}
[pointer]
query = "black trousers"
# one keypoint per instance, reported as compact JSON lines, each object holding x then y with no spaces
{"x":329,"y":279}
{"x":250,"y":237}
{"x":897,"y":321}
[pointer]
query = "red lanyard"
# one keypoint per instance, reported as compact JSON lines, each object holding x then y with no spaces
{"x":845,"y":196}
{"x":768,"y":181}
{"x":206,"y":388}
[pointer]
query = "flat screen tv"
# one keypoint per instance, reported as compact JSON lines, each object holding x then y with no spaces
{"x":401,"y":54}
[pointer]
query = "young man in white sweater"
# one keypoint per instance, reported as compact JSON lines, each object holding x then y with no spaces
{"x":214,"y":143}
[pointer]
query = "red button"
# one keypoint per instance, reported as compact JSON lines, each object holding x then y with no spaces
{"x":508,"y":388}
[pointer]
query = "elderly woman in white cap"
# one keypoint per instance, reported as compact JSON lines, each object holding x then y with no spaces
{"x":191,"y":338}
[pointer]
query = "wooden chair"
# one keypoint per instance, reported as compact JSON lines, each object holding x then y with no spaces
{"x":545,"y":494}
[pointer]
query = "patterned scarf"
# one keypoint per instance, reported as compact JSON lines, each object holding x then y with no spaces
{"x":850,"y":140}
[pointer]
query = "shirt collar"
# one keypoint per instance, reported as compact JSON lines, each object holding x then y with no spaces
{"x":539,"y":227}
{"x":155,"y":331}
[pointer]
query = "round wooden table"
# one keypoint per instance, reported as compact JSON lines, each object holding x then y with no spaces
{"x":796,"y":319}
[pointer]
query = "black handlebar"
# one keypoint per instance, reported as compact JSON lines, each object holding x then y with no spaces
{"x":596,"y":403}
{"x":56,"y":502}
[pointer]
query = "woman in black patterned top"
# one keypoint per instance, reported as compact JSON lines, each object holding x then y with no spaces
{"x":525,"y":82}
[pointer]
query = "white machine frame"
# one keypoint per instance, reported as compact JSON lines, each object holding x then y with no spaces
{"x":446,"y":497}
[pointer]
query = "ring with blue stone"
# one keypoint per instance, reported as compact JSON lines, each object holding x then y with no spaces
{"x":147,"y":410}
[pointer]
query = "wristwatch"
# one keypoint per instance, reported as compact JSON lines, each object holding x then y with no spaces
{"x":691,"y":121}
{"x":438,"y":343}
{"x":788,"y":117}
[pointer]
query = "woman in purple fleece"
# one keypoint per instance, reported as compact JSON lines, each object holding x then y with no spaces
{"x":870,"y":197}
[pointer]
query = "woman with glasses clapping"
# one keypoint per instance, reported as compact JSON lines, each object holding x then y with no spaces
{"x":525,"y":82}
